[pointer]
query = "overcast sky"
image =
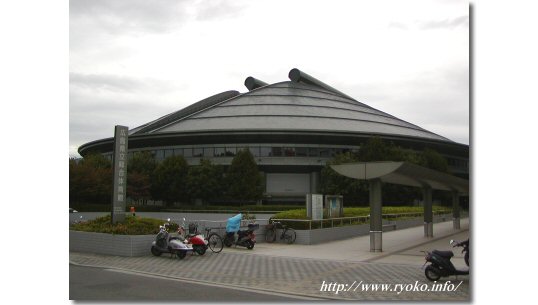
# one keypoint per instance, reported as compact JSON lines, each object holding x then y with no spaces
{"x":132,"y":61}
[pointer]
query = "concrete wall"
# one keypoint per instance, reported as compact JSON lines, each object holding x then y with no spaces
{"x":102,"y":243}
{"x":316,"y":236}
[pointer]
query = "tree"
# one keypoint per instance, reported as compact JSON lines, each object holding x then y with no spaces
{"x":138,"y":186}
{"x":139,"y":172}
{"x":432,"y":159}
{"x":143,"y":163}
{"x":204,"y":181}
{"x":244,"y":181}
{"x":375,"y":149}
{"x":169,"y":180}
{"x":90,"y":179}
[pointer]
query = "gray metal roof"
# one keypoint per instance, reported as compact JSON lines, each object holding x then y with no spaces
{"x":289,"y":105}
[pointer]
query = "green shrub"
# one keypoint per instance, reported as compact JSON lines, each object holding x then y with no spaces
{"x":133,"y":225}
{"x":349,"y":212}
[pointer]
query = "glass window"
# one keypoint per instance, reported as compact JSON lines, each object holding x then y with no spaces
{"x":336,"y":151}
{"x":313,"y":152}
{"x":220,"y":152}
{"x":187,"y":152}
{"x":230,"y":151}
{"x":324,"y":152}
{"x":159,"y":155}
{"x":289,"y":151}
{"x":208,"y":151}
{"x":255,"y":151}
{"x":168,"y":153}
{"x":197,"y":152}
{"x":178,"y":152}
{"x":265,"y":151}
{"x":301,"y":151}
{"x":276,"y":151}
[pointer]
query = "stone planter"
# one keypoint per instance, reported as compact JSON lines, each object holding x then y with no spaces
{"x":139,"y":245}
{"x":110,"y":244}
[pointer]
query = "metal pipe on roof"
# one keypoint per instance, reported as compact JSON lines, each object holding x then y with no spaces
{"x":297,"y":76}
{"x":252,"y":83}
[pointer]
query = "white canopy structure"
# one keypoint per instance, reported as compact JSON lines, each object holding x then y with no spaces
{"x":403,"y":173}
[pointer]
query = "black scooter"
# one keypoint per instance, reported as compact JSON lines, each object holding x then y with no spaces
{"x":245,"y":238}
{"x":440,"y":264}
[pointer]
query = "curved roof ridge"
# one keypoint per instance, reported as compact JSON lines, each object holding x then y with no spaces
{"x":194,"y":108}
{"x":217,"y":103}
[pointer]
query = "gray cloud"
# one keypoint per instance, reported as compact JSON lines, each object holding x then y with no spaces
{"x":97,"y":102}
{"x":142,"y":16}
{"x":213,"y":9}
{"x":131,"y":16}
{"x":436,"y":100}
{"x":462,"y":21}
{"x":398,"y":25}
{"x":117,"y":83}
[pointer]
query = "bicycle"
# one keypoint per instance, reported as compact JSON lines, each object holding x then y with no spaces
{"x":288,"y":234}
{"x":214,"y":241}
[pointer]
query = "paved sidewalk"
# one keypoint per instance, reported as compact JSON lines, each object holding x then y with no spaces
{"x":302,"y":269}
{"x":397,"y":246}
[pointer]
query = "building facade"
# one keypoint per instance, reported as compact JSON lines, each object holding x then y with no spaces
{"x":292,"y":128}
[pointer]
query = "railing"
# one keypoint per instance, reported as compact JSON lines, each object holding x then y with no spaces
{"x":218,"y":225}
{"x":341,"y":221}
{"x":307,"y":223}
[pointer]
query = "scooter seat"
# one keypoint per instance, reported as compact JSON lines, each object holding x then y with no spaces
{"x":445,"y":254}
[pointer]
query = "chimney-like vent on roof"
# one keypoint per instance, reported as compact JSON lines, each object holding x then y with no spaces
{"x":299,"y":76}
{"x":252,"y":83}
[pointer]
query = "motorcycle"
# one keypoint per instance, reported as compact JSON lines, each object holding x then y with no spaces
{"x":199,"y":242}
{"x":245,"y":238}
{"x":440,"y":264}
{"x":166,"y":243}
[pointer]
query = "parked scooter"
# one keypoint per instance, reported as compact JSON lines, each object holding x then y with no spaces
{"x":440,"y":264}
{"x":199,"y":242}
{"x":245,"y":238}
{"x":165,"y":243}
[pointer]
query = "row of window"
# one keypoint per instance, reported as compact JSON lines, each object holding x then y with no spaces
{"x":257,"y":151}
{"x":264,"y":151}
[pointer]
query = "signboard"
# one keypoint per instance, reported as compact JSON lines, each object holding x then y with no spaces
{"x":317,"y":207}
{"x":119,"y":168}
{"x":334,"y":205}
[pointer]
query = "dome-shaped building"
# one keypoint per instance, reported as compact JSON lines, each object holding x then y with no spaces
{"x":292,"y":128}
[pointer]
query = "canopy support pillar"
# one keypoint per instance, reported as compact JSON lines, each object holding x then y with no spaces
{"x":376,"y":221}
{"x":428,"y":211}
{"x":455,"y":210}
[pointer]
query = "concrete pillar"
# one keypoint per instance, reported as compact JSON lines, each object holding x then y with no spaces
{"x":314,"y":182}
{"x":456,"y":210}
{"x":428,"y":211}
{"x":376,"y":221}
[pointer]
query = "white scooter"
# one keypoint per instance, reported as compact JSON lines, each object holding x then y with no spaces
{"x":165,"y":243}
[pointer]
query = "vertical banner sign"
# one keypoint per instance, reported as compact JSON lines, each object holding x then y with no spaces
{"x":317,"y":207}
{"x":119,"y":187}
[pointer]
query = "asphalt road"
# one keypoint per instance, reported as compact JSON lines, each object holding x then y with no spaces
{"x":90,"y":283}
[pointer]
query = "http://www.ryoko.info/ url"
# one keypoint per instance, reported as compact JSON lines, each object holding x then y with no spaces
{"x":360,"y":286}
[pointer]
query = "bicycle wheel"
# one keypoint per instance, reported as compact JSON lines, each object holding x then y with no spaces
{"x":290,"y":236}
{"x":270,"y":235}
{"x":215,"y":243}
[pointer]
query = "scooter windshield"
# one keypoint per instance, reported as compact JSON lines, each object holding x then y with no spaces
{"x":234,"y":223}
